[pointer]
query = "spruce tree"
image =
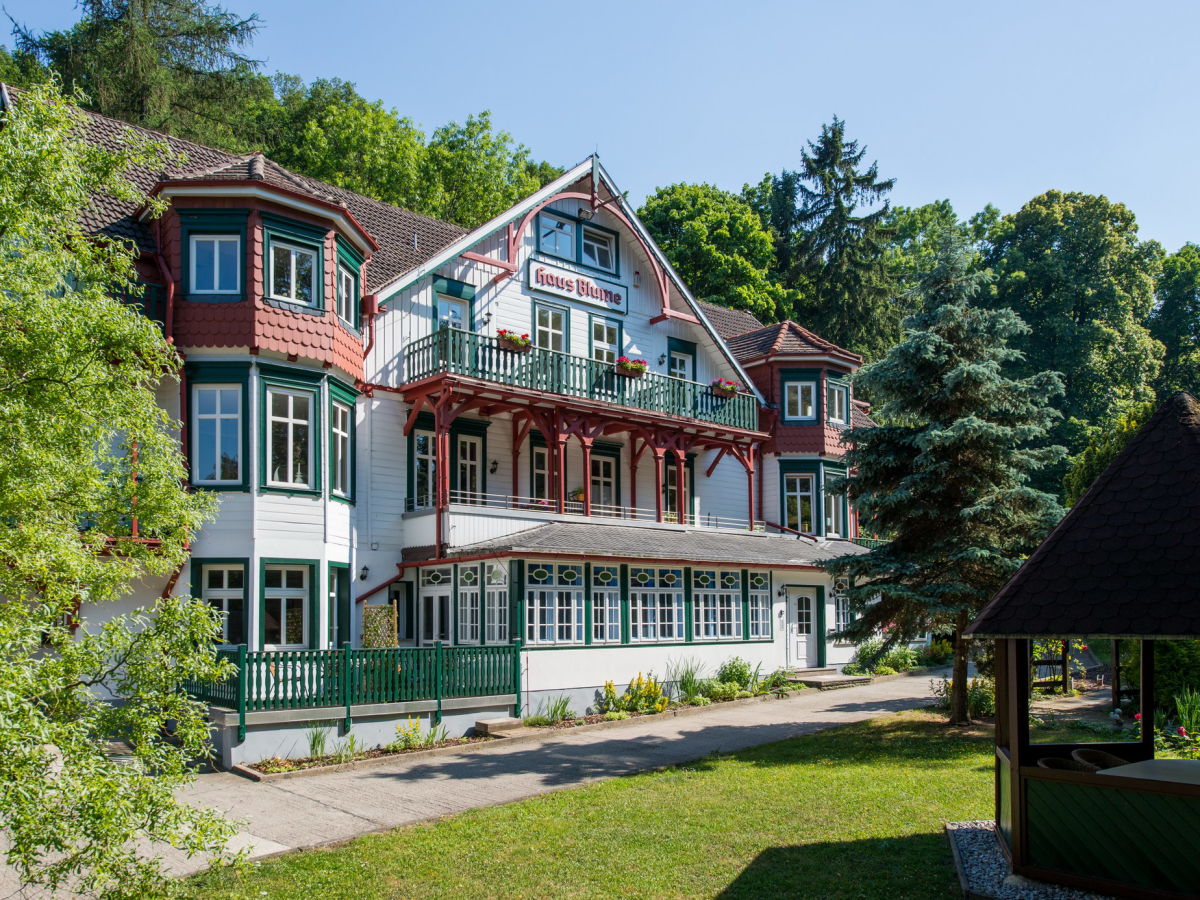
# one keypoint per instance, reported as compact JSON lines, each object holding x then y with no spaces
{"x":947,"y":474}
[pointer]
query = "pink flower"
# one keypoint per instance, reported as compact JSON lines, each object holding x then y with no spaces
{"x":1137,"y":717}
{"x":1181,"y":731}
{"x":1084,"y":647}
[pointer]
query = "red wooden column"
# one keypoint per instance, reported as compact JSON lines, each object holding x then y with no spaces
{"x":680,"y":493}
{"x":658,"y":481}
{"x":520,"y":430}
{"x":634,"y":456}
{"x":750,"y":466}
{"x":586,"y":444}
{"x":560,"y":469}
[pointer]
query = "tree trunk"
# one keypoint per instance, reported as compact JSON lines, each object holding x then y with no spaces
{"x":959,"y":715}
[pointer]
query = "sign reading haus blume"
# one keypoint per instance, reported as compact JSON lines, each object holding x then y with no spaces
{"x":561,"y":282}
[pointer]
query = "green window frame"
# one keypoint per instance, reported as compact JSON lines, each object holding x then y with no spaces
{"x":619,"y":339}
{"x":829,"y":472}
{"x":798,"y":387}
{"x":339,"y":604}
{"x":204,"y":374}
{"x":312,"y":630}
{"x":274,"y":379}
{"x":680,"y":347}
{"x":341,"y":395}
{"x":837,"y":387}
{"x":226,"y":223}
{"x":571,"y":248}
{"x":474,"y":428}
{"x":538,"y":307}
{"x":280,"y":232}
{"x":349,"y":262}
{"x":200,"y":589}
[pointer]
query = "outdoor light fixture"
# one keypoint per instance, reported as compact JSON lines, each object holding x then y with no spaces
{"x":662,"y":358}
{"x":493,"y":467}
{"x":362,"y":576}
{"x":586,"y":213}
{"x":637,"y":279}
{"x":781,"y":592}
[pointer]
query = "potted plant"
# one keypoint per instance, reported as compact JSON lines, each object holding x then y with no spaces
{"x":577,"y":495}
{"x":631,"y":368}
{"x":726,"y":387}
{"x":511,"y":341}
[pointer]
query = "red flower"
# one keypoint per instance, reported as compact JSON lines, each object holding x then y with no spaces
{"x":1182,"y":731}
{"x":1137,"y":717}
{"x":1084,"y":647}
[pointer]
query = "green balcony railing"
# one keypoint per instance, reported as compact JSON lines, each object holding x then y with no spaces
{"x":269,"y":680}
{"x":456,"y":352}
{"x":871,"y":543}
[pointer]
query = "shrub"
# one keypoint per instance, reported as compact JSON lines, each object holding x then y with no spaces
{"x":717,"y":690}
{"x":884,"y":670}
{"x":408,"y":736}
{"x":537,"y":720}
{"x":867,"y":654}
{"x":938,"y":653}
{"x":743,"y":695}
{"x":615,"y":715}
{"x":644,"y":695}
{"x":700,"y":701}
{"x":735,"y":671}
{"x":686,"y":675}
{"x":899,"y":658}
{"x":775,"y":681}
{"x":981,"y":696}
{"x":853,"y":668}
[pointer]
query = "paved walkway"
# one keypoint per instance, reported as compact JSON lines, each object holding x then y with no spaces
{"x":319,"y":809}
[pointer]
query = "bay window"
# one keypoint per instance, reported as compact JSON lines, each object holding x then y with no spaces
{"x":285,"y":607}
{"x":835,"y":515}
{"x":799,"y":400}
{"x":341,"y":427}
{"x":293,"y":275}
{"x":798,"y":503}
{"x":347,"y":296}
{"x":216,"y":434}
{"x":223,"y":587}
{"x":215,"y":263}
{"x":837,"y":399}
{"x":289,"y":437}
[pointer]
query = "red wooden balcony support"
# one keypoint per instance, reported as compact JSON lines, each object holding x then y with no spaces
{"x":680,"y":489}
{"x":520,"y":431}
{"x":658,"y":452}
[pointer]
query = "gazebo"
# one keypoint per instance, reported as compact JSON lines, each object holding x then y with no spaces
{"x":1123,"y":565}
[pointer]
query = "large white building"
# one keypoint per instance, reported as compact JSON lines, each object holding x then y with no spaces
{"x":442,"y":492}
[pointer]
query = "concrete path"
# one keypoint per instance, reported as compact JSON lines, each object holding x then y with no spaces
{"x":320,"y":809}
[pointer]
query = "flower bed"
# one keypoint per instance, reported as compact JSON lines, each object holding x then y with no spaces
{"x":275,"y":765}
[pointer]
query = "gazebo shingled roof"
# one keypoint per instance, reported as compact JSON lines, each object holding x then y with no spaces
{"x":1125,"y":561}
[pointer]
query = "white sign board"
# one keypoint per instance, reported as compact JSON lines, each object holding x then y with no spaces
{"x":551,"y":279}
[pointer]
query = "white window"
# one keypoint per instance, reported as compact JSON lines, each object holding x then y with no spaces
{"x":224,"y":589}
{"x":835,"y":515}
{"x":293,"y":273}
{"x":599,"y":249}
{"x":799,"y":400}
{"x":604,"y":484}
{"x":550,"y":332}
{"x":216,"y":264}
{"x":496,"y":605}
{"x":424,"y":470}
{"x":556,"y":235}
{"x":798,"y":503}
{"x":468,"y":605}
{"x":606,"y":605}
{"x":679,"y":365}
{"x":285,"y":607}
{"x":554,"y":604}
{"x":217,"y":442}
{"x":289,"y":437}
{"x":540,"y":488}
{"x":717,"y":596}
{"x":453,"y":312}
{"x":470,"y":469}
{"x":670,"y":494}
{"x":837,"y":399}
{"x":760,"y":605}
{"x":347,"y":296}
{"x":655,"y":605}
{"x":437,"y":591}
{"x":343,"y":422}
{"x":606,"y":336}
{"x":841,"y":611}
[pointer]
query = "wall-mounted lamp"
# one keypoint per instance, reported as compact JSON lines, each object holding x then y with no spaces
{"x":487,"y":319}
{"x":586,"y":212}
{"x":782,"y":592}
{"x":493,"y":467}
{"x":363,"y":573}
{"x":637,"y":279}
{"x":662,"y":358}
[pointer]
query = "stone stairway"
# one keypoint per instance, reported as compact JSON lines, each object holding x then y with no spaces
{"x":826,"y":679}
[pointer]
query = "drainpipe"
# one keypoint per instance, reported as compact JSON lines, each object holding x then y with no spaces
{"x":371,"y":308}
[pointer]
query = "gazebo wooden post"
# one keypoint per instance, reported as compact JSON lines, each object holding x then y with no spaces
{"x":1115,"y":673}
{"x":1146,"y":695}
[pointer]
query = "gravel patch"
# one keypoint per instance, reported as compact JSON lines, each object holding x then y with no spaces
{"x":984,"y":873}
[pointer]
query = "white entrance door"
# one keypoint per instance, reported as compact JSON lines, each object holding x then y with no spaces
{"x":802,"y":647}
{"x":435,"y":615}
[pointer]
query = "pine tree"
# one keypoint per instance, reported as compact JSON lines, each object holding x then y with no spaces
{"x":947,"y":475}
{"x":828,"y":251}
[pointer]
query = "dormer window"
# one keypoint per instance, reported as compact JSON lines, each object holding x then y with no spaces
{"x":556,"y":235}
{"x":837,"y":399}
{"x":216,"y":263}
{"x":293,"y":274}
{"x":599,"y":249}
{"x":799,"y":401}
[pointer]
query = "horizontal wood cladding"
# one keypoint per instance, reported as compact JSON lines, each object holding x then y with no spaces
{"x":258,"y":322}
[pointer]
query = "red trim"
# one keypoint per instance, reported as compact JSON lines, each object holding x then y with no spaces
{"x":488,"y":261}
{"x":563,"y":554}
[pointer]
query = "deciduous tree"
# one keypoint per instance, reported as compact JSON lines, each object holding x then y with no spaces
{"x":948,"y":475}
{"x":1176,"y":321}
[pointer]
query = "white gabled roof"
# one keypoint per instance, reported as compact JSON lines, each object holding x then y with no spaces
{"x":593,"y":165}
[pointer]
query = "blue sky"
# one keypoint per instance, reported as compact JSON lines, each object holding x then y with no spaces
{"x":976,"y":102}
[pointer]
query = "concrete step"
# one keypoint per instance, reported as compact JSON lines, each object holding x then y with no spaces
{"x":834,"y":681}
{"x":798,"y":675}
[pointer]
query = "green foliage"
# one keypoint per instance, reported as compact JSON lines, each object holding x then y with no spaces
{"x":882,"y":669}
{"x":981,"y":696}
{"x":700,"y":700}
{"x":643,"y":695}
{"x":719,"y":691}
{"x":735,"y":670}
{"x":828,"y":250}
{"x":615,"y":715}
{"x":1102,"y":448}
{"x":1176,"y":321}
{"x":78,"y":374}
{"x":718,"y":245}
{"x":1072,"y":267}
{"x":948,"y":477}
{"x":1187,"y":710}
{"x":169,"y":65}
{"x":318,"y":739}
{"x":899,"y":658}
{"x":938,"y":652}
{"x":408,"y":736}
{"x":686,"y":676}
{"x":1176,"y":670}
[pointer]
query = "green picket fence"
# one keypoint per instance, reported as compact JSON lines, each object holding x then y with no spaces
{"x":457,"y":352}
{"x":344,"y":677}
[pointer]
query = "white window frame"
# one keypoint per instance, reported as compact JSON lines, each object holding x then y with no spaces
{"x":842,"y":395}
{"x":605,"y":477}
{"x":554,"y":611}
{"x":789,"y":479}
{"x":597,"y":237}
{"x":603,"y":350}
{"x":347,"y":296}
{"x":793,"y":401}
{"x":428,"y":461}
{"x":540,"y":467}
{"x":446,"y":302}
{"x":678,"y":359}
{"x":221,"y":419}
{"x":309,"y":423}
{"x":216,"y":239}
{"x":340,"y":463}
{"x":495,"y":603}
{"x":281,"y":595}
{"x":569,"y":231}
{"x":222,"y":596}
{"x":760,"y":615}
{"x":469,"y":469}
{"x":295,"y":249}
{"x":550,"y":331}
{"x":468,"y":614}
{"x":835,"y":514}
{"x":841,"y":612}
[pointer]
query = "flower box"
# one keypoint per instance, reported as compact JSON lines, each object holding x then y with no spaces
{"x":631,"y":368}
{"x":513,"y":342}
{"x":725,"y":387}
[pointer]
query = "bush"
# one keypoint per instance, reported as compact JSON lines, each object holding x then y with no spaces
{"x":981,"y":696}
{"x":644,"y":695}
{"x":700,"y":701}
{"x":538,"y":720}
{"x":743,"y":695}
{"x":899,"y":658}
{"x":938,"y":653}
{"x":774,"y":682}
{"x":867,"y":654}
{"x":853,"y":668}
{"x":884,"y":670}
{"x":718,"y":690}
{"x":614,"y":715}
{"x":735,"y":671}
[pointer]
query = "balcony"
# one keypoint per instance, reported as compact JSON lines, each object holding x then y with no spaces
{"x":480,"y":356}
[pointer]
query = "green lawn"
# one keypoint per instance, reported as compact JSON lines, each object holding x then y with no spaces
{"x":853,"y":812}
